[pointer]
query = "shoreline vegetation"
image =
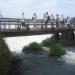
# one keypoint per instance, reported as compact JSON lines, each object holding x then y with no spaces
{"x":7,"y":59}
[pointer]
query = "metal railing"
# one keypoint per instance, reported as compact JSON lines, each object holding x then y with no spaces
{"x":13,"y":25}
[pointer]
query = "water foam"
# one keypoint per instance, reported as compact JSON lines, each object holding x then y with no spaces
{"x":69,"y":57}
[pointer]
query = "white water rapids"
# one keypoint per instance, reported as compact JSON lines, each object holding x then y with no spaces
{"x":69,"y":57}
{"x":16,"y":44}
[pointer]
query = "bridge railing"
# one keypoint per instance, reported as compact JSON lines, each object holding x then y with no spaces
{"x":15,"y":25}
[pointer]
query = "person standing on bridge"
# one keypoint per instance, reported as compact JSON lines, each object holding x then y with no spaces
{"x":0,"y":21}
{"x":52,"y":20}
{"x":23,"y":20}
{"x":46,"y":18}
{"x":68,"y":21}
{"x":62,"y":21}
{"x":34,"y":17}
{"x":57,"y":20}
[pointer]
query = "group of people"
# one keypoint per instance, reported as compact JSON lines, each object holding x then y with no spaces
{"x":59,"y":20}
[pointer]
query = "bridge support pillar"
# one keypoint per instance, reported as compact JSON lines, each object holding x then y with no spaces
{"x":69,"y":36}
{"x":57,"y":36}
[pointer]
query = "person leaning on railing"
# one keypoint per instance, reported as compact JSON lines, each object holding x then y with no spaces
{"x":46,"y":19}
{"x":34,"y":17}
{"x":0,"y":21}
{"x":72,"y":22}
{"x":68,"y":20}
{"x":62,"y":21}
{"x":23,"y":21}
{"x":52,"y":20}
{"x":57,"y":20}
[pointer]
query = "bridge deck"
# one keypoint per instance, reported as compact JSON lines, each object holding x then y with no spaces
{"x":11,"y":33}
{"x":10,"y":27}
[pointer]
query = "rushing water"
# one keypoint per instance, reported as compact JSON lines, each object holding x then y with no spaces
{"x":16,"y":44}
{"x":41,"y":64}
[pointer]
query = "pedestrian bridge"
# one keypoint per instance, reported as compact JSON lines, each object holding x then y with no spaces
{"x":12,"y":27}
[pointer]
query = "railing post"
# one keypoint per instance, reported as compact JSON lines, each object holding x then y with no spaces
{"x":0,"y":26}
{"x":4,"y":26}
{"x":57,"y":36}
{"x":15,"y":27}
{"x":9,"y":27}
{"x":27,"y":27}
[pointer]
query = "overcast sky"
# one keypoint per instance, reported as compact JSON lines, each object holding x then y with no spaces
{"x":14,"y":8}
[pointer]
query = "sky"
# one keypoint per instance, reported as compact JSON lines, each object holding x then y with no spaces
{"x":14,"y":8}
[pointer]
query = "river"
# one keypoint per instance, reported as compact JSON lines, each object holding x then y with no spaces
{"x":40,"y":64}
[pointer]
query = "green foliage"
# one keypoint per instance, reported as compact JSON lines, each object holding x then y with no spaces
{"x":56,"y":50}
{"x":55,"y":45}
{"x":46,"y":42}
{"x":5,"y":57}
{"x":49,"y":41}
{"x":62,"y":42}
{"x":26,"y":49}
{"x":33,"y":47}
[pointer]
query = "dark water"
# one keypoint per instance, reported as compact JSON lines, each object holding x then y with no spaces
{"x":41,"y":64}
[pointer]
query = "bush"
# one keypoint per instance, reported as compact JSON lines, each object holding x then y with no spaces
{"x":26,"y":49}
{"x":46,"y":42}
{"x":33,"y":47}
{"x":49,"y":41}
{"x":62,"y":42}
{"x":56,"y":50}
{"x":5,"y":57}
{"x":55,"y":45}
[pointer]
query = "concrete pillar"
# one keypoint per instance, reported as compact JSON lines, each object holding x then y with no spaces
{"x":69,"y":36}
{"x":9,"y":26}
{"x":57,"y":36}
{"x":72,"y":35}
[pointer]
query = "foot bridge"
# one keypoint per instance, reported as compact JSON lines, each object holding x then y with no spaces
{"x":11,"y":27}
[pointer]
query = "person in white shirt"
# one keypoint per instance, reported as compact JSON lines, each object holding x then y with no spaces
{"x":57,"y":20}
{"x":52,"y":20}
{"x":62,"y":21}
{"x":34,"y":17}
{"x":46,"y":18}
{"x":23,"y":20}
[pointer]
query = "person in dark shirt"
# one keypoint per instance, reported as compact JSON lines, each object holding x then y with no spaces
{"x":23,"y":20}
{"x":68,"y":20}
{"x":57,"y":20}
{"x":46,"y":18}
{"x":52,"y":20}
{"x":34,"y":17}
